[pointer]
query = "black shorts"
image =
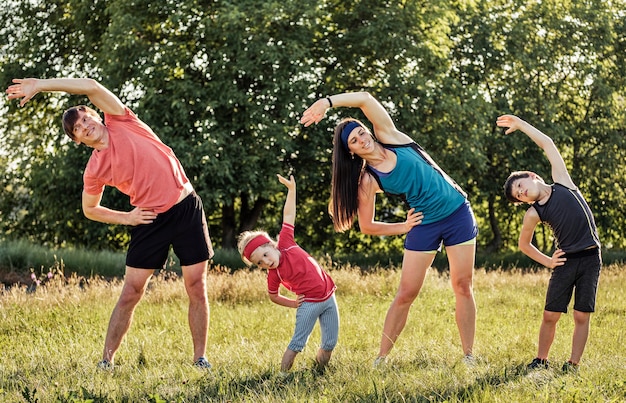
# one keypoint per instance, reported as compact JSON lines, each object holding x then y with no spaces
{"x":581,"y":271}
{"x":183,"y":227}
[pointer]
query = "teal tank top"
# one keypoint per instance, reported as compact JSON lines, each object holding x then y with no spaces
{"x":424,"y":186}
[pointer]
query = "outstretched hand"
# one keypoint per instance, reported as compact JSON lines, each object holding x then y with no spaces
{"x":24,"y":88}
{"x":290,"y":183}
{"x":510,"y":121}
{"x":315,"y":113}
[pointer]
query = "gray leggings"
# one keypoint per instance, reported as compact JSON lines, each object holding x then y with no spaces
{"x":306,"y":316}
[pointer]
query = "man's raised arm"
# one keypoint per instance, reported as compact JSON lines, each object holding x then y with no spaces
{"x":26,"y":88}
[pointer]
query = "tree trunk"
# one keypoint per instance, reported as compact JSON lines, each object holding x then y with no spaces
{"x":229,"y":229}
{"x":248,"y":219}
{"x":496,"y":242}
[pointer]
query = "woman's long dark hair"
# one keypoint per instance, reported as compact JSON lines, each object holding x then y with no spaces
{"x":347,"y":170}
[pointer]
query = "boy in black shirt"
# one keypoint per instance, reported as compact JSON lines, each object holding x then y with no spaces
{"x":576,"y":261}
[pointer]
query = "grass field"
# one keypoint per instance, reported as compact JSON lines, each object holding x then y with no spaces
{"x":51,"y":339}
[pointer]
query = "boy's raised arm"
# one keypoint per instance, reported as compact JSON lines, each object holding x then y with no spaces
{"x":559,"y":170}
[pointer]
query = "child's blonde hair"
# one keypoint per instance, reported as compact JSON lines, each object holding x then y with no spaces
{"x":244,"y":240}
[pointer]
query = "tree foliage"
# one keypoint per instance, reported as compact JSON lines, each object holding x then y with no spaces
{"x":223,"y":83}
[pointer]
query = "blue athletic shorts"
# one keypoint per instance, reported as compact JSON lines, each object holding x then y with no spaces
{"x":455,"y":229}
{"x":183,"y":227}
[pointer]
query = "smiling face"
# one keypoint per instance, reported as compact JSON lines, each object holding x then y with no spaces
{"x":88,"y":129}
{"x":83,"y":125}
{"x":266,"y":256}
{"x":360,"y":141}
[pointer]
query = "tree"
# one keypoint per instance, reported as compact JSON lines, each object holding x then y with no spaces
{"x":219,"y":82}
{"x":558,"y":65}
{"x":223,"y":83}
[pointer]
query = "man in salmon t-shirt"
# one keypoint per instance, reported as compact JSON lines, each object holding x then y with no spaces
{"x":129,"y":156}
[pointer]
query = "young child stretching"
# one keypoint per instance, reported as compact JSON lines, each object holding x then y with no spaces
{"x":576,"y":261}
{"x":288,"y":264}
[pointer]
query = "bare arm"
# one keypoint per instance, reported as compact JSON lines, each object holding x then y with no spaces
{"x":288,"y":302}
{"x":94,"y":211}
{"x":26,"y":88}
{"x":289,"y":211}
{"x":559,"y":170}
{"x":384,"y":128}
{"x":367,"y":205}
{"x":531,"y":219}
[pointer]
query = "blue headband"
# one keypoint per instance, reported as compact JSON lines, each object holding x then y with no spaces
{"x":345,"y":132}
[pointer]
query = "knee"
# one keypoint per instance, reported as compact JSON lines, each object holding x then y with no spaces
{"x":581,"y":318}
{"x":196,"y":289}
{"x":551,"y":318}
{"x":197,"y":294}
{"x":406,"y":296}
{"x":130,"y":296}
{"x":463,"y":287}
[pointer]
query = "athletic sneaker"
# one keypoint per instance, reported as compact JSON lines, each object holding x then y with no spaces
{"x":469,"y":360}
{"x":569,"y":367}
{"x":202,"y":363}
{"x":379,"y":361}
{"x":538,"y":363}
{"x":105,"y":365}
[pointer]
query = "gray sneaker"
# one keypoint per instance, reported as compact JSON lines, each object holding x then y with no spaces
{"x":380,"y":361}
{"x":469,"y":360}
{"x":105,"y":365}
{"x":202,"y":363}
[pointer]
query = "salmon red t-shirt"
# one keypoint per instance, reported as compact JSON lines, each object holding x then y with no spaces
{"x":137,"y":163}
{"x":298,"y":271}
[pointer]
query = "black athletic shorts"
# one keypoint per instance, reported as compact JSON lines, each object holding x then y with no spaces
{"x":581,"y":271}
{"x":183,"y":227}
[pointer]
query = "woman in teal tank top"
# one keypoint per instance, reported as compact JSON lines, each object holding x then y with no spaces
{"x":438,"y":214}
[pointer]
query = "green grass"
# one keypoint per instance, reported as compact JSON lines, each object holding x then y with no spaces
{"x":51,"y":339}
{"x":19,"y":256}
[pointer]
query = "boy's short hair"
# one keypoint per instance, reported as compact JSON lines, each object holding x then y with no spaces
{"x":508,"y":184}
{"x":70,"y":117}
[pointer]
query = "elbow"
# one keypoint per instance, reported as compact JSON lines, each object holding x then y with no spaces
{"x":88,"y":213}
{"x":367,"y":229}
{"x":547,"y":143}
{"x":524,"y":247}
{"x":91,"y":86}
{"x":92,"y":83}
{"x":367,"y":97}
